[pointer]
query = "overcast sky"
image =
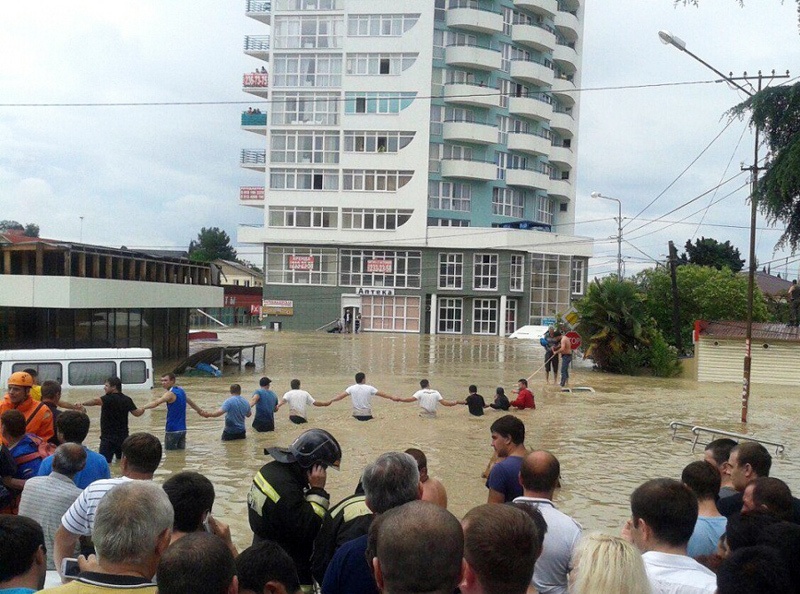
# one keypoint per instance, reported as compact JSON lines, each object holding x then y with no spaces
{"x":151,"y":176}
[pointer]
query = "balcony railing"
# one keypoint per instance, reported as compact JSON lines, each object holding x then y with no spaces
{"x":251,"y":193}
{"x":473,"y":4}
{"x":256,"y":79}
{"x":259,"y":6}
{"x":254,"y":119}
{"x":256,"y":43}
{"x":253,"y":157}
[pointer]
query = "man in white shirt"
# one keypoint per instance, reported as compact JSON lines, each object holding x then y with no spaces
{"x":663,"y":516}
{"x":362,"y":394}
{"x":428,"y":399}
{"x":297,"y":400}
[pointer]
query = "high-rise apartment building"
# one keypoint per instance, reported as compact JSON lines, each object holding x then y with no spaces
{"x":419,"y":162}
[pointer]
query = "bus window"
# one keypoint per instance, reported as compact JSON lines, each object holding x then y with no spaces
{"x":91,"y":373}
{"x":132,"y":372}
{"x":45,"y":371}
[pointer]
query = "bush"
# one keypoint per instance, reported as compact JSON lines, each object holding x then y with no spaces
{"x":663,"y":357}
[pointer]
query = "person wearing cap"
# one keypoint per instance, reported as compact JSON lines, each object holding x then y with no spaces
{"x":266,"y":403}
{"x":288,"y":501}
{"x":38,"y":418}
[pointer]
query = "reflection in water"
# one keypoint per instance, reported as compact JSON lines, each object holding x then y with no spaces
{"x":608,"y":442}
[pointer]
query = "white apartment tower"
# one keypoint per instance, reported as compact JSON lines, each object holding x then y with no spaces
{"x":418,"y":162}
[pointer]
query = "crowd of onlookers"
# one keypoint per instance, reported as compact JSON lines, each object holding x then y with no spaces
{"x":723,"y":526}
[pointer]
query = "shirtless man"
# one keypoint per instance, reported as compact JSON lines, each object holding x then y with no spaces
{"x":432,"y":489}
{"x":565,"y":350}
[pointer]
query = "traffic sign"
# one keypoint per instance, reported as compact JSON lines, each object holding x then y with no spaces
{"x":574,"y":339}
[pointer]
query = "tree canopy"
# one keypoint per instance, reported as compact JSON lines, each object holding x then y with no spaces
{"x":710,"y":252}
{"x":29,"y":230}
{"x":212,"y":244}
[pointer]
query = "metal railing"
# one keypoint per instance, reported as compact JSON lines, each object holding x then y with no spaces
{"x":473,"y":4}
{"x":697,"y":431}
{"x":256,"y":43}
{"x":259,"y":6}
{"x":253,"y":157}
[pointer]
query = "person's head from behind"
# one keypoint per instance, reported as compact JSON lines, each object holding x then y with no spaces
{"x":198,"y":563}
{"x":422,"y":462}
{"x":51,"y":391}
{"x":192,"y":497}
{"x":132,"y":526}
{"x":770,"y":495}
{"x":141,"y":454}
{"x":501,"y":545}
{"x":390,"y":481}
{"x":236,"y":390}
{"x":295,"y":384}
{"x":507,"y":433}
{"x":33,"y":373}
{"x":538,"y":521}
{"x":540,"y":473}
{"x":12,"y":426}
{"x":500,"y":391}
{"x":473,"y":389}
{"x":784,"y":537}
{"x":749,"y":460}
{"x":72,"y":426}
{"x":264,"y":382}
{"x":265,"y":568}
{"x":603,"y":563}
{"x":753,"y":570}
{"x":744,"y":530}
{"x":424,"y":384}
{"x":417,"y":547}
{"x":69,"y":459}
{"x":663,"y":512}
{"x":703,"y":479}
{"x":361,"y":377}
{"x":23,"y":561}
{"x":113,"y":385}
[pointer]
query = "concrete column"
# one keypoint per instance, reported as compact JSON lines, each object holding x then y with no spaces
{"x":434,"y":313}
{"x":501,"y":325}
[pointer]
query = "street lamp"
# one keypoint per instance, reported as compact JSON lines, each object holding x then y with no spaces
{"x":619,"y":230}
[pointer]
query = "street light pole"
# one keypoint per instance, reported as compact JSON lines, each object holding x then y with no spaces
{"x":619,"y":230}
{"x":668,"y":39}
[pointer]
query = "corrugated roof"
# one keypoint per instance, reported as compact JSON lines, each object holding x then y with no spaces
{"x":772,"y":285}
{"x":761,"y":331}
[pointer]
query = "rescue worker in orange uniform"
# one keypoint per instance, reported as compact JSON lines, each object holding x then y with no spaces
{"x":38,"y":418}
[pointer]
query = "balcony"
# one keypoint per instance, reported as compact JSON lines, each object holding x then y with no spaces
{"x":470,"y":16}
{"x":535,"y":107}
{"x":547,"y":8}
{"x":562,"y":157}
{"x":473,"y":132}
{"x":255,"y":122}
{"x":255,"y":159}
{"x":256,"y":83}
{"x":567,"y":24}
{"x":534,"y":36}
{"x":472,"y":56}
{"x":564,"y":89}
{"x":257,"y":46}
{"x":471,"y":94}
{"x":563,"y":123}
{"x":251,"y":196}
{"x":260,"y":10}
{"x":476,"y":169}
{"x":531,"y":144}
{"x":534,"y":179}
{"x":565,"y":56}
{"x":532,"y":72}
{"x":560,"y":188}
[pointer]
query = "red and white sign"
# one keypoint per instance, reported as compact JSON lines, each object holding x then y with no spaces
{"x":384,"y":266}
{"x":574,"y":339}
{"x":301,"y":262}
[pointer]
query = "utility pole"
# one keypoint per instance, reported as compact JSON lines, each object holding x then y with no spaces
{"x":676,"y":312}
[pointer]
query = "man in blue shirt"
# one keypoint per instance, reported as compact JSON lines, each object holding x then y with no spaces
{"x":73,"y":427}
{"x":235,"y":409}
{"x":508,"y":441}
{"x":266,"y":403}
{"x":176,"y":400}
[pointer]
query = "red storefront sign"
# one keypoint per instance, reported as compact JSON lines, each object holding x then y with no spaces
{"x":382,"y":266}
{"x":301,"y":262}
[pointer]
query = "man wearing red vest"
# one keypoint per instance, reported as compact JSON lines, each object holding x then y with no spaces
{"x":38,"y":418}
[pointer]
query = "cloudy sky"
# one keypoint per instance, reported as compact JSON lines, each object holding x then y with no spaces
{"x":151,"y":176}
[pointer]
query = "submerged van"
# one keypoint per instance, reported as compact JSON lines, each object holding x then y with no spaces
{"x":82,"y":368}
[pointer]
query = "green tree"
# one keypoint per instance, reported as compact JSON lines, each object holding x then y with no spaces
{"x":9,"y":225}
{"x":212,"y":244}
{"x":31,"y":230}
{"x":710,"y":252}
{"x":704,"y":293}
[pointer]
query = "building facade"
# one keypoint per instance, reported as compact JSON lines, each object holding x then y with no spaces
{"x":418,"y":160}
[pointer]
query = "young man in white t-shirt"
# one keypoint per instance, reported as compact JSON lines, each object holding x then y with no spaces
{"x":362,"y":394}
{"x":297,"y":400}
{"x":428,"y":399}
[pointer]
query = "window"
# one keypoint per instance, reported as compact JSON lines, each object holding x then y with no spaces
{"x":578,"y":267}
{"x":378,"y":219}
{"x":502,"y":160}
{"x":484,"y":272}
{"x":45,"y":371}
{"x":503,"y":123}
{"x":391,"y":314}
{"x":304,"y":179}
{"x":378,"y":103}
{"x":91,"y":373}
{"x":438,"y":44}
{"x":506,"y":87}
{"x":308,"y":32}
{"x":306,"y":70}
{"x":506,"y":51}
{"x":375,"y":64}
{"x":508,"y":17}
{"x":451,"y":315}
{"x":321,"y":109}
{"x":379,"y":268}
{"x":449,"y":196}
{"x":451,"y":271}
{"x":374,"y":180}
{"x":310,"y":217}
{"x":132,"y":372}
{"x":307,"y":5}
{"x":459,"y":114}
{"x":304,"y":147}
{"x":458,"y":152}
{"x":516,"y":277}
{"x":301,"y":266}
{"x":511,"y":316}
{"x":550,"y":285}
{"x":484,"y":316}
{"x":434,"y":157}
{"x":437,"y":88}
{"x":437,"y":117}
{"x":369,"y":141}
{"x":380,"y":25}
{"x":508,"y":202}
{"x":438,"y":222}
{"x":545,"y":207}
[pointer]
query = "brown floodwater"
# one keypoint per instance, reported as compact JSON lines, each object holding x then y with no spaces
{"x":608,"y":441}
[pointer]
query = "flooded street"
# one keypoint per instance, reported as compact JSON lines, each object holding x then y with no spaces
{"x":608,"y":442}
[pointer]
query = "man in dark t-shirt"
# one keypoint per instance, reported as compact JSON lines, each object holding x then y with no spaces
{"x":475,"y":402}
{"x":114,"y":410}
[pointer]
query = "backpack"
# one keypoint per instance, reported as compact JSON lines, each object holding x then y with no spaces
{"x":28,"y":463}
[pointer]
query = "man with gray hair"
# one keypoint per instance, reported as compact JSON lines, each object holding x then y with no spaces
{"x":132,"y":529}
{"x":46,"y":498}
{"x":389,"y":482}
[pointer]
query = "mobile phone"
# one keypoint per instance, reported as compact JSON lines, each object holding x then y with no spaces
{"x":69,"y":568}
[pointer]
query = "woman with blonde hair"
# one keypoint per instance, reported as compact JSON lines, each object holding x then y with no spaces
{"x":604,"y":564}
